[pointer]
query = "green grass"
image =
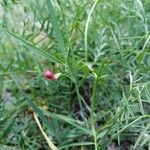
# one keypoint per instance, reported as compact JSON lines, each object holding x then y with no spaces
{"x":102,"y":97}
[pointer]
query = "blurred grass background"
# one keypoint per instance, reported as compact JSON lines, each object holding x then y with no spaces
{"x":101,"y":100}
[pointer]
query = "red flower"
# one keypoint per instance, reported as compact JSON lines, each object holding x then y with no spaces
{"x":49,"y":75}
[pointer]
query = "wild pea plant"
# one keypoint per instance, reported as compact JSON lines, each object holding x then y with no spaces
{"x":99,"y":50}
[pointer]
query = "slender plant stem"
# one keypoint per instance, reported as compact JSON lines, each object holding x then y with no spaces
{"x":92,"y":119}
{"x":86,"y":29}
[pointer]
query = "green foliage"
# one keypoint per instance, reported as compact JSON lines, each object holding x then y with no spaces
{"x":102,"y":97}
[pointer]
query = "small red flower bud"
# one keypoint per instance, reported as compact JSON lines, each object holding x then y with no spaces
{"x":49,"y":75}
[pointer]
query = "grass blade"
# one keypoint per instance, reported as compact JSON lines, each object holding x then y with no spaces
{"x":141,"y":135}
{"x":86,"y":29}
{"x":76,"y":144}
{"x":50,"y":144}
{"x":54,"y":22}
{"x":67,"y":119}
{"x":29,"y":46}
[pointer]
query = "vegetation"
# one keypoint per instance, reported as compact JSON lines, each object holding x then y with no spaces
{"x":100,"y":52}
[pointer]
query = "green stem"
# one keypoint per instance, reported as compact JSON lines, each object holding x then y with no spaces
{"x":92,"y":119}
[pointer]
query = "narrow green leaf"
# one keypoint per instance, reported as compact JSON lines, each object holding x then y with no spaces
{"x":128,"y":125}
{"x":127,"y":104}
{"x":144,"y":131}
{"x":29,"y":46}
{"x":69,"y":120}
{"x":54,"y":22}
{"x":76,"y":144}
